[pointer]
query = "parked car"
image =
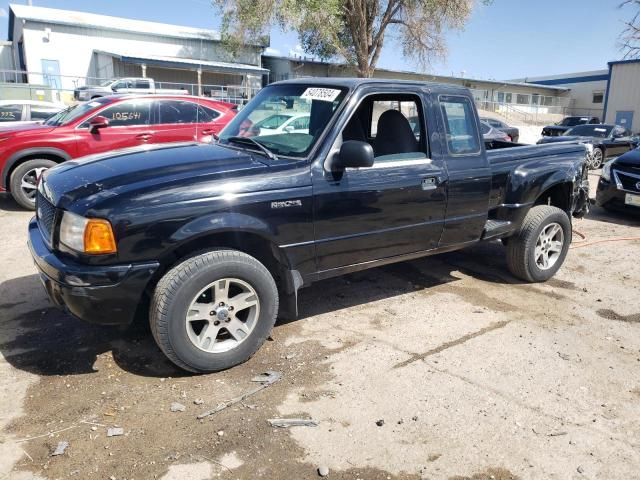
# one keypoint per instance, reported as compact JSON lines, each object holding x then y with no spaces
{"x":607,"y":140}
{"x":214,"y":241}
{"x":490,"y":133}
{"x":566,"y":124}
{"x":124,"y":85}
{"x":99,"y":126}
{"x":512,"y":132}
{"x":22,"y":112}
{"x":283,"y":122}
{"x":619,"y":185}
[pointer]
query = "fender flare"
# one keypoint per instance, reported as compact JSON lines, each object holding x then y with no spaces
{"x":15,"y":158}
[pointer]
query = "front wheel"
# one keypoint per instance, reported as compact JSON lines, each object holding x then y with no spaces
{"x":24,"y":181}
{"x":213,"y":311}
{"x":537,"y":251}
{"x":597,"y":158}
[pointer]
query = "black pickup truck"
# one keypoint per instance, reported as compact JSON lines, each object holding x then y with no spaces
{"x":212,"y":242}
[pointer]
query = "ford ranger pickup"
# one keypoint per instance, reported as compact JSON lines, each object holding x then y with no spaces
{"x":211,"y":242}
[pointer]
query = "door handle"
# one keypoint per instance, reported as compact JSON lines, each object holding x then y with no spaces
{"x":144,"y":136}
{"x":208,"y":131}
{"x":431,"y":183}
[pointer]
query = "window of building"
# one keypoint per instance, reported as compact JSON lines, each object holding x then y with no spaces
{"x":508,"y":98}
{"x":500,"y":97}
{"x":459,"y":120}
{"x":522,"y":99}
{"x":598,"y":97}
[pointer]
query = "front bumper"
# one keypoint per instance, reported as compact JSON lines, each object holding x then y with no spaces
{"x":107,"y":295}
{"x":609,"y":196}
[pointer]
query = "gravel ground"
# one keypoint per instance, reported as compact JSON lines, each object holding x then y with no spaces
{"x":439,"y":368}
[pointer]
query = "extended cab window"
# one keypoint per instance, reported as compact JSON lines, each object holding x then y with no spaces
{"x":460,"y":125}
{"x":10,"y":113}
{"x":142,"y":84}
{"x":134,"y":112}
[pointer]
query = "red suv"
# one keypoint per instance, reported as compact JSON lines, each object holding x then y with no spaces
{"x":102,"y":125}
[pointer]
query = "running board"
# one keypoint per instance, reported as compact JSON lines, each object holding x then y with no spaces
{"x":495,"y":228}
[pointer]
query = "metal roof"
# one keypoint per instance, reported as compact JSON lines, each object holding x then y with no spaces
{"x":83,"y":19}
{"x":178,"y":62}
{"x":440,"y":79}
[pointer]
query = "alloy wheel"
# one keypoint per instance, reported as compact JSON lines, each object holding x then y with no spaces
{"x":549,"y":246}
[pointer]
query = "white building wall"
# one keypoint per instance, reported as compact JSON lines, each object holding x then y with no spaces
{"x":74,"y":48}
{"x":6,"y":57}
{"x":624,"y":93}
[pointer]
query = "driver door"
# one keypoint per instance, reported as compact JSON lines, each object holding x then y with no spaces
{"x":393,"y":208}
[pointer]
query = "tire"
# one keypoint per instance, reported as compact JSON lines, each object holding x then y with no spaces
{"x":179,"y":294}
{"x":524,"y":260}
{"x":597,"y":158}
{"x":27,"y":171}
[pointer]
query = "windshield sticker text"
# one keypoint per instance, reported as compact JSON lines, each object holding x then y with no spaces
{"x":323,"y":94}
{"x":125,"y":116}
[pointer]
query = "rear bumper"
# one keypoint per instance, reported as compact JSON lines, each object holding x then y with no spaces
{"x":107,"y":295}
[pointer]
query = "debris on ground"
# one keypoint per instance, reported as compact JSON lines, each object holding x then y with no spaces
{"x":198,"y":401}
{"x":115,"y":432}
{"x":62,"y":446}
{"x":380,"y":422}
{"x":177,"y":407}
{"x":580,"y":470}
{"x":292,"y":422}
{"x":221,"y":433}
{"x":323,"y":470}
{"x":265,"y":379}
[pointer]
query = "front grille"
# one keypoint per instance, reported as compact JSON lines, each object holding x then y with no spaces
{"x":628,"y":181}
{"x":46,"y":215}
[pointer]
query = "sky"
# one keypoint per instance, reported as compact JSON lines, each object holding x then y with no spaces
{"x":505,"y":40}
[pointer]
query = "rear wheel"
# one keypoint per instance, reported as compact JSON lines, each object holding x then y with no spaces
{"x":214,"y":311}
{"x":537,"y":251}
{"x":24,"y":181}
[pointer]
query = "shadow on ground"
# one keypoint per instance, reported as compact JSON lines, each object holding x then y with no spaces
{"x":47,"y":341}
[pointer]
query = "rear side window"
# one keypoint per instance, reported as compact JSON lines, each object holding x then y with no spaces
{"x":460,"y":125}
{"x":128,"y":113}
{"x":142,"y":84}
{"x":10,"y":113}
{"x":42,"y":113}
{"x":182,"y":111}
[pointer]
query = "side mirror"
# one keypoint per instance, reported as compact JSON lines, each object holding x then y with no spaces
{"x":354,"y":154}
{"x":98,"y":122}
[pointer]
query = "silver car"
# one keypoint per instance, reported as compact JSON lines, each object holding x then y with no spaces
{"x":21,"y":112}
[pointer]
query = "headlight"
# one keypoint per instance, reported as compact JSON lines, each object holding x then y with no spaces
{"x":87,"y":235}
{"x":606,"y":171}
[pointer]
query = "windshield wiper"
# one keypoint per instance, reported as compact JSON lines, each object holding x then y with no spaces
{"x":264,"y":149}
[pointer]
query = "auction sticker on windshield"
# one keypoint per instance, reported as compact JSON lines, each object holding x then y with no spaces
{"x":323,"y":94}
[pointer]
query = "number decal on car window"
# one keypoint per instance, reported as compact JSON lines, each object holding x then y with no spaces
{"x":124,"y":116}
{"x":7,"y":115}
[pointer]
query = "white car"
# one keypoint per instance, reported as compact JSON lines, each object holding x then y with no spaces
{"x":284,"y":123}
{"x":22,"y":112}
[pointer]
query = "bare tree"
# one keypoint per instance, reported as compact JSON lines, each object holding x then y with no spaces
{"x":353,"y":30}
{"x":630,"y":37}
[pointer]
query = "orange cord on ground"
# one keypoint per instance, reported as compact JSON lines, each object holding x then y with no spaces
{"x":584,"y":243}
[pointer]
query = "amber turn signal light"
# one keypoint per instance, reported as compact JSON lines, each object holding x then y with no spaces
{"x":98,"y":237}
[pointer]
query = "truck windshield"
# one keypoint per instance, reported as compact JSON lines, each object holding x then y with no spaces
{"x":263,"y":118}
{"x":573,"y":121}
{"x":72,"y":113}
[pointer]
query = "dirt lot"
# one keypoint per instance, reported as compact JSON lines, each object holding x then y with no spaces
{"x":440,"y":368}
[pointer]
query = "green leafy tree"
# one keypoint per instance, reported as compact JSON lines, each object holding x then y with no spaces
{"x":354,"y":30}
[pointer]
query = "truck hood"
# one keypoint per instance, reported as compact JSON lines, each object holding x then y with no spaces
{"x":629,"y":159}
{"x":85,"y":182}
